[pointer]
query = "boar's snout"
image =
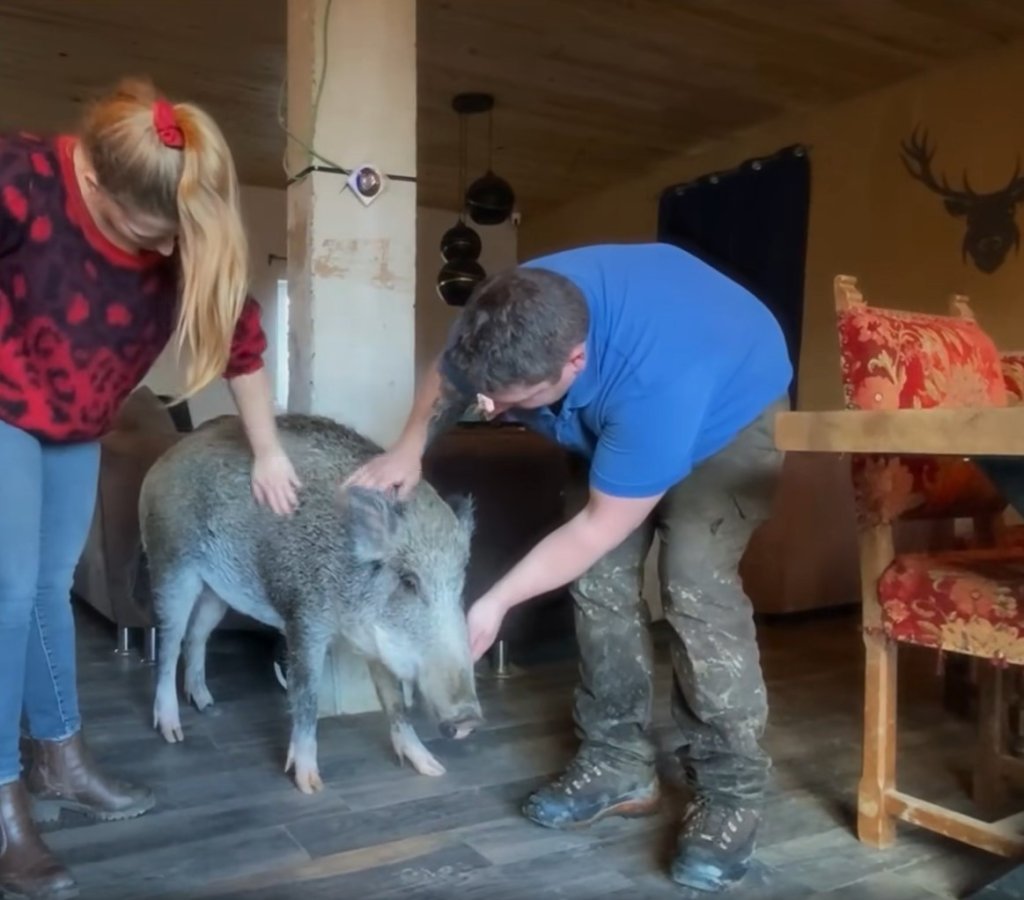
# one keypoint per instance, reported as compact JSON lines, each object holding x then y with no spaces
{"x":461,"y":725}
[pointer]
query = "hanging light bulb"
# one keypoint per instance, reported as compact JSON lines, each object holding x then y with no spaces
{"x":490,"y":199}
{"x":460,"y":242}
{"x":457,"y":280}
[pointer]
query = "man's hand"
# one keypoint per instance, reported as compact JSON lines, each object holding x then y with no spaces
{"x":399,"y":469}
{"x":484,"y":621}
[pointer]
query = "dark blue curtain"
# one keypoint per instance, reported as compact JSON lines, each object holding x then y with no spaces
{"x":751,"y":224}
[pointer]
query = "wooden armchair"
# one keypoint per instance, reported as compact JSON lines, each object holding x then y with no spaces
{"x":1001,"y":690}
{"x":967,"y":602}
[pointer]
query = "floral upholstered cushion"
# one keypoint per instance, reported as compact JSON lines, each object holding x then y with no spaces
{"x":1013,"y":376}
{"x":897,"y":360}
{"x":971,"y":602}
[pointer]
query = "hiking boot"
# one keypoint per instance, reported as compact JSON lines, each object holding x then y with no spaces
{"x":62,"y":775}
{"x":592,"y":789}
{"x":716,"y":844}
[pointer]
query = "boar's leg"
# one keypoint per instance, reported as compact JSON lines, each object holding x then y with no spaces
{"x":403,"y":736}
{"x":209,"y":611}
{"x":307,"y":651}
{"x":175,"y":591}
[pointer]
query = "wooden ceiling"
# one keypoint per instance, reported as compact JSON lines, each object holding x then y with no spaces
{"x":588,"y":91}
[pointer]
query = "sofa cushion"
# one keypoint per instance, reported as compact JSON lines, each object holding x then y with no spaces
{"x":143,"y":410}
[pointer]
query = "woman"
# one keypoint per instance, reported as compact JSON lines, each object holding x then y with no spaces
{"x":111,"y":243}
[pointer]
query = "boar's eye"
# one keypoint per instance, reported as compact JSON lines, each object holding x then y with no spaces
{"x":410,"y":582}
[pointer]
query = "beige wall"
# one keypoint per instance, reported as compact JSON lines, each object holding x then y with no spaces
{"x":867,"y":216}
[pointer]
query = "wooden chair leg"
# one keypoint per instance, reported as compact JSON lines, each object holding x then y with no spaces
{"x":876,"y":826}
{"x":988,"y":789}
{"x":878,"y":777}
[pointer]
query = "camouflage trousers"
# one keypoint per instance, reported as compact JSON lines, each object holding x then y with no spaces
{"x":718,"y":695}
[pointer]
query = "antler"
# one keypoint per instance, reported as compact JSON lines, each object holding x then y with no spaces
{"x":917,"y":151}
{"x":1016,"y":182}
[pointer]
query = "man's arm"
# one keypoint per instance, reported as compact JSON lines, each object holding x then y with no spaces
{"x":637,"y":459}
{"x":570,"y":550}
{"x":561,"y":557}
{"x":438,"y":406}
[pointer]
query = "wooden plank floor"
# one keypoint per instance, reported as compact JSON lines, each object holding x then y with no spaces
{"x":229,"y":823}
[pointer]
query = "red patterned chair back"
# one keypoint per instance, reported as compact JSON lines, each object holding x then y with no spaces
{"x":1013,"y":376}
{"x":892,"y":359}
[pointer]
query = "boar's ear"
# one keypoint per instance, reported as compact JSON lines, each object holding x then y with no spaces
{"x":372,"y":520}
{"x":464,"y":507}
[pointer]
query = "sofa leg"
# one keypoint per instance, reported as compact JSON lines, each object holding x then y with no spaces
{"x":149,"y":654}
{"x":124,"y":641}
{"x":500,"y":668}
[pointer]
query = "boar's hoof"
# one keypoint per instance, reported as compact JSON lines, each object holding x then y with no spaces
{"x":308,"y":780}
{"x":424,"y":762}
{"x":172,"y":732}
{"x":307,"y":773}
{"x":169,"y":726}
{"x":201,"y":698}
{"x":408,"y":746}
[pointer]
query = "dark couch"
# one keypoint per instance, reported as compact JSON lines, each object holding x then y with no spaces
{"x":109,"y":576}
{"x":524,"y":487}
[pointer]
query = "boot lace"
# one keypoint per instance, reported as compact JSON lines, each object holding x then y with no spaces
{"x":579,"y":774}
{"x":717,"y":825}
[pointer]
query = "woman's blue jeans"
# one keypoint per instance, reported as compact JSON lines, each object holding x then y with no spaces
{"x":47,"y":495}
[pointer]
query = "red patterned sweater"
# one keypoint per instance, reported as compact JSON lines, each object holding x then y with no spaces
{"x":81,"y":321}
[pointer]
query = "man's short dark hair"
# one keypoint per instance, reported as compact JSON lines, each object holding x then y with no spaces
{"x":518,"y":328}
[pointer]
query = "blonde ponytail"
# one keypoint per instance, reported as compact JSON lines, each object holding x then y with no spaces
{"x":193,"y":185}
{"x":214,"y":249}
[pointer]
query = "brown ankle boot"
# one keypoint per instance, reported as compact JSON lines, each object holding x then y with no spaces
{"x":28,"y":870}
{"x":62,"y":775}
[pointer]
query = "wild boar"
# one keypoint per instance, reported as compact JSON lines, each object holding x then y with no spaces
{"x":383,"y":575}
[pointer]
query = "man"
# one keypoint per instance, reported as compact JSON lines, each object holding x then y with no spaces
{"x":667,"y":376}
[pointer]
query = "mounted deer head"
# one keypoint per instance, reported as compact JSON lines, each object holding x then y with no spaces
{"x":990,"y":218}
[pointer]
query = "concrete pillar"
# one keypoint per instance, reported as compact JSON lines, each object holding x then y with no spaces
{"x":351,"y":267}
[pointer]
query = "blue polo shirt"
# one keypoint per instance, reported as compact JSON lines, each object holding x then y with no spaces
{"x":679,"y":359}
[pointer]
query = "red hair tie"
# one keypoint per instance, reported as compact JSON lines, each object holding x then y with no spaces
{"x":166,"y":125}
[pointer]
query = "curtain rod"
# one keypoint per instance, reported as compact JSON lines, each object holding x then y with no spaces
{"x":754,"y":162}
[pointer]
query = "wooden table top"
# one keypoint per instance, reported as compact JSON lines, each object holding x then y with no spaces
{"x":971,"y":431}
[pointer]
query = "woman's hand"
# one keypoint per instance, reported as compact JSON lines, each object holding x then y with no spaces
{"x":274,"y":482}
